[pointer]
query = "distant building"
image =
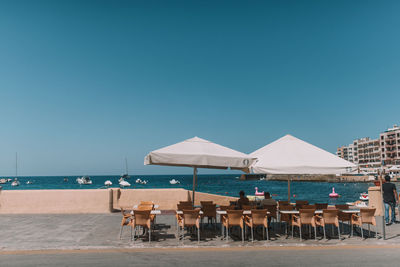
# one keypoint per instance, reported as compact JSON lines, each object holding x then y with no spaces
{"x":372,"y":154}
{"x":368,"y":153}
{"x":390,"y":146}
{"x":346,"y":152}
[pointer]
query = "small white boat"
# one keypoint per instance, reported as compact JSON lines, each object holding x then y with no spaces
{"x":108,"y":183}
{"x":3,"y":181}
{"x":364,"y":196}
{"x":144,"y":182}
{"x":173,"y":181}
{"x":29,"y":182}
{"x":138,"y":181}
{"x":9,"y":180}
{"x":124,"y":183}
{"x":15,"y":182}
{"x":84,"y":180}
{"x":66,"y":179}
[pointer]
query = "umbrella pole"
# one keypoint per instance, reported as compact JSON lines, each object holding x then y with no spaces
{"x":194,"y":182}
{"x":288,"y":190}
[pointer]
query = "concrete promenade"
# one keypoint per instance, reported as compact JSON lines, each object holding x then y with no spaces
{"x":85,"y":239}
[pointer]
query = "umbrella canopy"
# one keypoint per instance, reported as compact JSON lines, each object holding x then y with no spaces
{"x":199,"y":153}
{"x":290,"y":155}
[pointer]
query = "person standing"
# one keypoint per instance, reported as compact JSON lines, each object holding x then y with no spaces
{"x":243,"y":200}
{"x":390,"y":199}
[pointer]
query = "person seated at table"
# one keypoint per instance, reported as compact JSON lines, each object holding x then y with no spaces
{"x":243,"y":200}
{"x":268,"y":200}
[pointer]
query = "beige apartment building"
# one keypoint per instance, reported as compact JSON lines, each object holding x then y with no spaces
{"x":390,"y":146}
{"x":347,"y":153}
{"x":370,"y":154}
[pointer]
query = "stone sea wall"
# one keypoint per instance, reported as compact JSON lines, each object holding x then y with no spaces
{"x":95,"y":200}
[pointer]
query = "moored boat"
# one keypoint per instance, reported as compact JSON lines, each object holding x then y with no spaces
{"x":15,"y":182}
{"x":84,"y":180}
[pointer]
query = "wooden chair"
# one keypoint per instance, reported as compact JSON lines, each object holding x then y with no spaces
{"x":285,"y":217}
{"x":329,"y":216}
{"x":273,"y":212}
{"x":305,"y":217}
{"x":300,"y":204}
{"x":190,"y":218}
{"x":186,"y":202}
{"x":367,"y":216}
{"x":126,"y":220}
{"x":233,"y":218}
{"x":342,"y":216}
{"x":283,"y":203}
{"x":210,"y":211}
{"x":257,"y":218}
{"x":141,"y":218}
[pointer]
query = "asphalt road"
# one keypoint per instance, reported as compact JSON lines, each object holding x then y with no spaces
{"x":280,"y":256}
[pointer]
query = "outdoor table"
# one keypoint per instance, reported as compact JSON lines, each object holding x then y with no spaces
{"x":351,"y":211}
{"x":153,"y":212}
{"x":155,"y":206}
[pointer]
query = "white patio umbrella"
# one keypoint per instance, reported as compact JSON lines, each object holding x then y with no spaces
{"x":290,"y":155}
{"x":199,"y":153}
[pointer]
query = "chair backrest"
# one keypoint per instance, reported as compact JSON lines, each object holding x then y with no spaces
{"x":321,"y":206}
{"x":258,"y":216}
{"x":285,"y":217}
{"x":367,"y":215}
{"x":271,"y":208}
{"x":309,"y":207}
{"x":246,"y":207}
{"x":342,"y":206}
{"x":286,"y":207}
{"x":186,"y":202}
{"x":283,"y":203}
{"x":302,"y":202}
{"x":184,"y":206}
{"x":190,"y":216}
{"x":306,"y":216}
{"x":234,"y":216}
{"x":202,"y":203}
{"x":209,"y":210}
{"x":330,"y":216}
{"x":253,"y":204}
{"x":142,"y":217}
{"x":232,"y":203}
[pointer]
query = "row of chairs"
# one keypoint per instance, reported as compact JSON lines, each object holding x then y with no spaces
{"x":191,"y":218}
{"x":330,"y":216}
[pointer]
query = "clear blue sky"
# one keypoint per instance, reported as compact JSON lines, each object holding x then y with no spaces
{"x":85,"y":83}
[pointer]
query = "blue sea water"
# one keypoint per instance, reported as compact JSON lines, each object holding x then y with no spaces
{"x":228,"y":185}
